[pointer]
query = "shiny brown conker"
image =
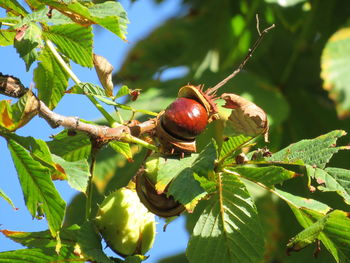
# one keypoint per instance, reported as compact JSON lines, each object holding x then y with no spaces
{"x":185,"y":118}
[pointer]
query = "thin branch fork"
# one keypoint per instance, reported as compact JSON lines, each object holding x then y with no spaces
{"x":247,"y":57}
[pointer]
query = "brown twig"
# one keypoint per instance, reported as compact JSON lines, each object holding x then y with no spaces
{"x":12,"y":86}
{"x":212,"y":91}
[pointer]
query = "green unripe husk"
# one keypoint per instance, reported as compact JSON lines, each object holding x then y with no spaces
{"x":125,"y":223}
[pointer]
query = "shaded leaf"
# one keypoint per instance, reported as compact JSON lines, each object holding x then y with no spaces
{"x":90,"y":243}
{"x":315,"y":152}
{"x":24,"y":109}
{"x":39,"y":192}
{"x":229,"y":228}
{"x":50,"y":78}
{"x":104,"y":72}
{"x":335,"y":63}
{"x":308,"y":236}
{"x":6,"y":198}
{"x":73,"y":40}
{"x":27,"y":40}
{"x":77,"y":172}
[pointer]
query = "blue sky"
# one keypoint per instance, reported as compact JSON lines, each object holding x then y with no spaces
{"x":144,"y":15}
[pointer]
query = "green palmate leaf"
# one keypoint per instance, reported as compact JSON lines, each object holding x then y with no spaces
{"x":332,"y":179}
{"x":229,"y":229}
{"x":7,"y":37}
{"x":6,"y":198}
{"x":182,"y":171}
{"x":24,"y":109}
{"x":308,"y":236}
{"x":90,"y":244}
{"x":36,"y":255}
{"x":335,"y":233}
{"x":110,"y":15}
{"x":285,"y":3}
{"x":18,"y":114}
{"x":43,"y":239}
{"x":123,"y":148}
{"x":50,"y":78}
{"x":315,"y":152}
{"x":71,"y":148}
{"x":74,"y":41}
{"x":13,"y":6}
{"x":39,"y":192}
{"x":124,"y":90}
{"x":27,"y":42}
{"x":303,"y":203}
{"x":335,"y":65}
{"x":88,"y":89}
{"x":41,"y":16}
{"x":230,"y":146}
{"x":77,"y":172}
{"x":268,"y":176}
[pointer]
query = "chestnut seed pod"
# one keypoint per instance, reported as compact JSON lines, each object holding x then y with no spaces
{"x":184,"y":119}
{"x":125,"y":223}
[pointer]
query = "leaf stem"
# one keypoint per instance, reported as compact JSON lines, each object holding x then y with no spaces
{"x":132,"y":139}
{"x":257,"y":183}
{"x":77,"y":81}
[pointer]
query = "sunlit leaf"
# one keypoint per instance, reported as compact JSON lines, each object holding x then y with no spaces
{"x":123,"y":148}
{"x":77,"y":172}
{"x":315,"y":152}
{"x":268,"y":176}
{"x":88,"y":89}
{"x":13,"y":6}
{"x":36,"y":255}
{"x":110,"y":15}
{"x":50,"y":78}
{"x":27,"y":40}
{"x":39,"y":192}
{"x":6,"y":198}
{"x":335,"y":63}
{"x":71,"y":147}
{"x":43,"y":239}
{"x":229,"y":228}
{"x":231,"y":145}
{"x":7,"y":37}
{"x":72,"y":40}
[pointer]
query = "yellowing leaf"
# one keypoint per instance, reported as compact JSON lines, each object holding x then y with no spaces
{"x":335,"y":64}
